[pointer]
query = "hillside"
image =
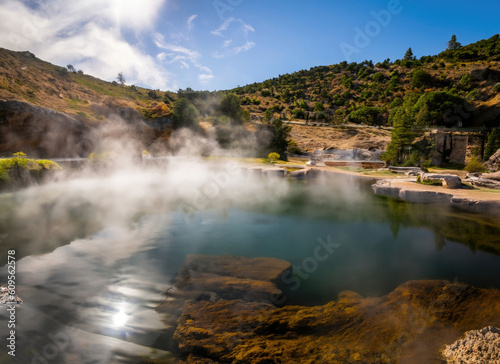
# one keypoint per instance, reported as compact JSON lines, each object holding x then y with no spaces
{"x":24,"y":77}
{"x":338,"y":106}
{"x":362,"y":93}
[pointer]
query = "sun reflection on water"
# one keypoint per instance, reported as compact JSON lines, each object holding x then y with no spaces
{"x":120,"y":319}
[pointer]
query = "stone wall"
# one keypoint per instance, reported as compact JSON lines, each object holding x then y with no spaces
{"x":449,"y":147}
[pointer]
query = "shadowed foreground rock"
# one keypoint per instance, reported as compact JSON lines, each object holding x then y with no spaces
{"x":477,"y":346}
{"x":412,"y":324}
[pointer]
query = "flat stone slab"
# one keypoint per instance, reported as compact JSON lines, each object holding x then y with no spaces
{"x":384,"y":188}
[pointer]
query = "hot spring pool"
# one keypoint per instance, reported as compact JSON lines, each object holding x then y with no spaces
{"x":95,"y":255}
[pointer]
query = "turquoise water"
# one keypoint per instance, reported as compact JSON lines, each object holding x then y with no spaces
{"x":99,"y":268}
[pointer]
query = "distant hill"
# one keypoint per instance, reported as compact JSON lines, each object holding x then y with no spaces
{"x":457,"y":88}
{"x":363,"y":92}
{"x":23,"y":77}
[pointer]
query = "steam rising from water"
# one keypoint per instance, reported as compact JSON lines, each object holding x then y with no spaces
{"x":90,"y":226}
{"x":116,"y":192}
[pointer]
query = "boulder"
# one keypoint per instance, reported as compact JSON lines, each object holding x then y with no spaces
{"x":494,"y":176}
{"x":476,"y":346}
{"x":447,"y":180}
{"x":484,"y":181}
{"x":405,"y":170}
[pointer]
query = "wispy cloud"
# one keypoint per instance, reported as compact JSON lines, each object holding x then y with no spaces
{"x":159,"y":40}
{"x":236,"y":33}
{"x":88,"y":34}
{"x":180,"y":54}
{"x":190,"y":20}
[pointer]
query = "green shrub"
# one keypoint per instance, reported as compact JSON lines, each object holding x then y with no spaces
{"x":273,"y":157}
{"x":474,"y":166}
{"x":419,"y":78}
{"x":19,"y":169}
{"x":366,"y":115}
{"x":293,"y":148}
{"x":496,"y":88}
{"x":473,"y":95}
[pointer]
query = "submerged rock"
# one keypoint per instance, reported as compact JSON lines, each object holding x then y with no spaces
{"x":477,"y":346}
{"x":233,"y":325}
{"x":229,"y":277}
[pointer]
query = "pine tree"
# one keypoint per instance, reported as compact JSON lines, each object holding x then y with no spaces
{"x":453,"y":44}
{"x":402,"y":137}
{"x":409,"y":55}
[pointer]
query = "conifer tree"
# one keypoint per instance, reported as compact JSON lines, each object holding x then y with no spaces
{"x":409,"y":55}
{"x":453,"y":44}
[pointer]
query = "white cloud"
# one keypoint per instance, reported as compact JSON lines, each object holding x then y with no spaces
{"x":190,"y":20}
{"x":205,"y":78}
{"x":88,"y":34}
{"x":236,"y":32}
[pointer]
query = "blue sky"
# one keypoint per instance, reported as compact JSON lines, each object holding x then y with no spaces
{"x":220,"y":44}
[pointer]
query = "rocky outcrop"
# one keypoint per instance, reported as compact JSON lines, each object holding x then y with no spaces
{"x":224,"y":315}
{"x":385,"y":188}
{"x":477,"y":346}
{"x":42,"y":132}
{"x":493,"y":164}
{"x":446,"y":180}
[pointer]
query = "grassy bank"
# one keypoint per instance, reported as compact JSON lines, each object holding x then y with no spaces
{"x":20,"y":171}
